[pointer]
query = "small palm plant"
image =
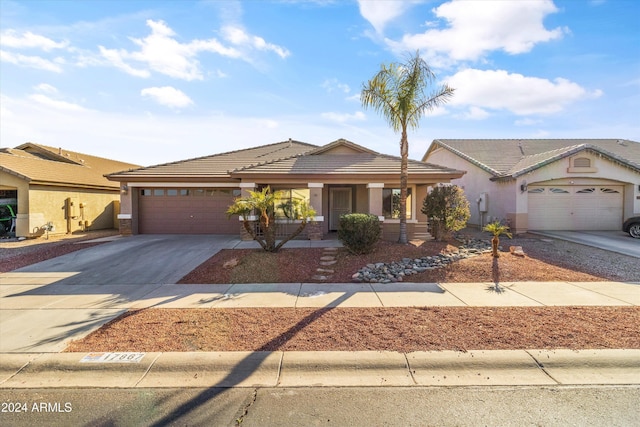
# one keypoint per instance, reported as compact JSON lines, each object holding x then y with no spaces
{"x":497,"y":229}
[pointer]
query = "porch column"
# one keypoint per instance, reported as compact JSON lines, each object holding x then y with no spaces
{"x":314,"y":229}
{"x":245,"y":188}
{"x":125,"y":214}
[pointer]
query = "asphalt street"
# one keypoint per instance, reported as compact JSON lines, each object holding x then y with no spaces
{"x":341,"y":406}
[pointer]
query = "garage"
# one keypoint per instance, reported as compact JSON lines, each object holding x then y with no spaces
{"x":186,"y":211}
{"x":573,"y":207}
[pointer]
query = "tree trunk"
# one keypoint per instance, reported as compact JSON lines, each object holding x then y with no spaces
{"x":495,"y":242}
{"x":404,"y":180}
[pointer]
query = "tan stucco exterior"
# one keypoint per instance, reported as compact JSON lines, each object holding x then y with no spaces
{"x":40,"y":204}
{"x":508,"y":201}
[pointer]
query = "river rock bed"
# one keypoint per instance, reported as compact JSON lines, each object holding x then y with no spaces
{"x":396,"y":271}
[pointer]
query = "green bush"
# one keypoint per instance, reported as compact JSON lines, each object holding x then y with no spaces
{"x":359,"y":233}
{"x":447,"y":209}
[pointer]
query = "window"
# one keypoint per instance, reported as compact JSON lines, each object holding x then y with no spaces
{"x":558,"y":191}
{"x":536,"y":190}
{"x":289,"y":205}
{"x":172,"y":192}
{"x":609,"y":191}
{"x":391,"y":203}
{"x":158,"y":191}
{"x":145,"y":192}
{"x":586,"y":191}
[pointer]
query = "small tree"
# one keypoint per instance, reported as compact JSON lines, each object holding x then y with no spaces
{"x":263,"y":203}
{"x":447,"y":209}
{"x":497,"y":229}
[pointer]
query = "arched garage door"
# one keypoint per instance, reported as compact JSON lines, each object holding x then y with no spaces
{"x":186,"y":211}
{"x":572,"y":207}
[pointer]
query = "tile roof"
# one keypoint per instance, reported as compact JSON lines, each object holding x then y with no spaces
{"x":218,"y":165}
{"x":343,"y":164}
{"x":48,"y":165}
{"x":513,"y":157}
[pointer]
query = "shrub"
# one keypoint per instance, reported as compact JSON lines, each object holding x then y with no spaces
{"x":447,"y":209}
{"x":359,"y":233}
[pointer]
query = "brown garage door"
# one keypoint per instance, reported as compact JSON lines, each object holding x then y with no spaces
{"x":186,"y":211}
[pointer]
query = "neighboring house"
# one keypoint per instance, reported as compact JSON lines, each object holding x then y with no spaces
{"x":546,"y":184}
{"x":57,"y":188}
{"x":192,"y":196}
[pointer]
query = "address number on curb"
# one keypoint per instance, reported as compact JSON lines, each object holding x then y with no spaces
{"x":120,"y":357}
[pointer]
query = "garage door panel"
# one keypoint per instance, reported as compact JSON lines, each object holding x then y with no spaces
{"x":575,"y":207}
{"x":196,"y":211}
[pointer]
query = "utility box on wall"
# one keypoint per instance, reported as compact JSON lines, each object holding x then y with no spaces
{"x":483,"y":202}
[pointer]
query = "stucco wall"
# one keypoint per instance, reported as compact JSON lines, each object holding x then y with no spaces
{"x":507,"y":201}
{"x":502,"y":197}
{"x":93,"y":208}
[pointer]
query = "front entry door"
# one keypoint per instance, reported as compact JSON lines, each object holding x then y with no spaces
{"x":340,"y":204}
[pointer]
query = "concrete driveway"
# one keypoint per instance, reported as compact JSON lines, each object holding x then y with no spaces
{"x":140,"y":259}
{"x":614,"y":241}
{"x":45,"y":305}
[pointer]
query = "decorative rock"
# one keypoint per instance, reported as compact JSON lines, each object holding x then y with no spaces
{"x":516,"y":250}
{"x":231,"y":263}
{"x":397,"y":271}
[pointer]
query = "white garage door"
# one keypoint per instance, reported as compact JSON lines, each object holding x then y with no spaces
{"x":575,"y":207}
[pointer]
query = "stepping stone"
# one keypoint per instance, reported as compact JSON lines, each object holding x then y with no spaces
{"x":324,"y":270}
{"x":331,"y":249}
{"x":326,"y":263}
{"x":327,"y":258}
{"x":319,"y":277}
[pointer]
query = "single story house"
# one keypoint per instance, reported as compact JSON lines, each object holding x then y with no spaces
{"x":57,"y":190}
{"x":192,"y":196}
{"x":546,"y":184}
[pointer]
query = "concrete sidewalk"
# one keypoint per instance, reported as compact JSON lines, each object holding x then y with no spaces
{"x":40,"y":314}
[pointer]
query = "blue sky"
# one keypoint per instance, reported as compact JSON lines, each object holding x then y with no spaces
{"x":157,"y":81}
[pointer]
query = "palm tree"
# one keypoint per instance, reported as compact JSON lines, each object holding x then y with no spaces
{"x":497,"y":229}
{"x":399,"y":92}
{"x":263,"y":203}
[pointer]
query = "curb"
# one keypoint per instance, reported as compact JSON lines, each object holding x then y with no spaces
{"x":322,"y":369}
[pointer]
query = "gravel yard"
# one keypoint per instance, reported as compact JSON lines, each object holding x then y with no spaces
{"x":399,"y":329}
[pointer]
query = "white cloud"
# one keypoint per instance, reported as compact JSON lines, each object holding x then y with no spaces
{"x":162,"y":53}
{"x":11,"y":39}
{"x":527,"y":122}
{"x":116,"y":58}
{"x":30,"y":61}
{"x":476,"y":113}
{"x":52,"y":103}
{"x":46,"y":88}
{"x":475,"y":28}
{"x":167,"y":96}
{"x":331,"y":85}
{"x":498,"y":89}
{"x":381,"y":12}
{"x":344,"y":117}
{"x":239,"y":37}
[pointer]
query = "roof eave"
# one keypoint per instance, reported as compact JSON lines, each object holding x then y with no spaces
{"x":15,"y":173}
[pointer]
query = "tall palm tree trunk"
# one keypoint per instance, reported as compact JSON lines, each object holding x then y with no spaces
{"x":404,"y":181}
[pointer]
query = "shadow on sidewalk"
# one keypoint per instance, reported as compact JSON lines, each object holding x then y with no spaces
{"x":242,"y":371}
